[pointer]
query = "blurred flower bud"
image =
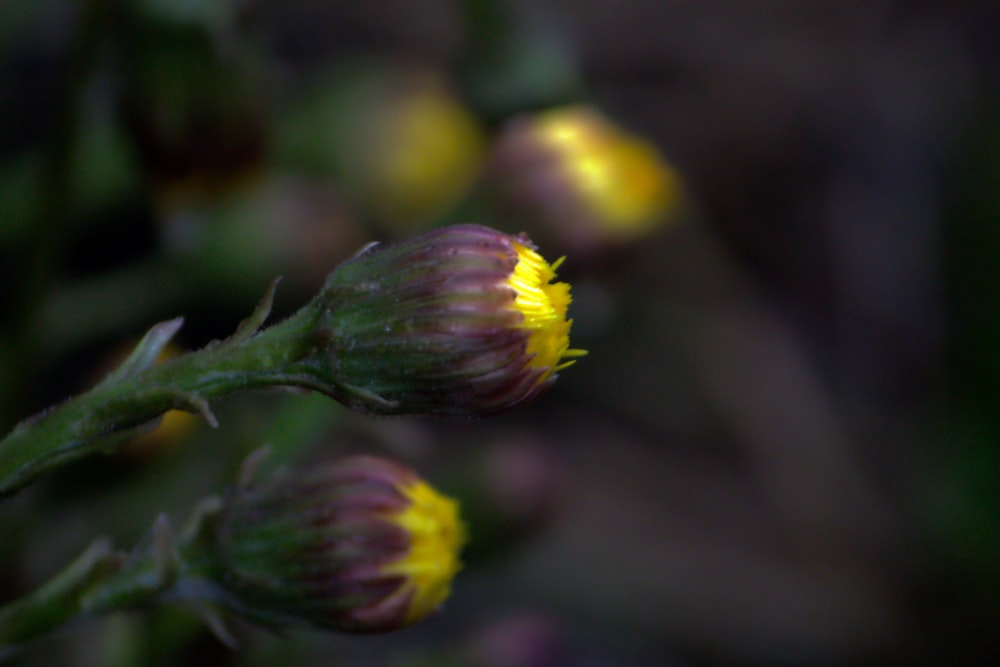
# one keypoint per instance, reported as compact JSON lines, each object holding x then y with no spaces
{"x":512,"y":487}
{"x":521,"y":485}
{"x":462,"y":320}
{"x":285,"y":226}
{"x":194,"y":108}
{"x":401,"y":142}
{"x":523,"y":640}
{"x":426,"y":151}
{"x":582,"y":183}
{"x":361,"y":545}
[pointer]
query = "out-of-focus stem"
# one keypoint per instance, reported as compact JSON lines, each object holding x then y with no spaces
{"x":58,"y":601}
{"x":99,"y":581}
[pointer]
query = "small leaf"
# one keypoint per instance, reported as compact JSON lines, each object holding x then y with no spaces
{"x":252,"y":324}
{"x":146,"y":352}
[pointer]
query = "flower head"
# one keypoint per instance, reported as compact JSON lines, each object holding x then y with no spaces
{"x":430,"y":563}
{"x":361,"y":545}
{"x":581,"y":179}
{"x":543,"y":305}
{"x":424,"y":151}
{"x":462,"y":320}
{"x":196,"y":113}
{"x":403,"y":145}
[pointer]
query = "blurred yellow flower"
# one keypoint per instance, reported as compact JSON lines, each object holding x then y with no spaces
{"x":625,"y":182}
{"x":580,"y":182}
{"x":426,"y":150}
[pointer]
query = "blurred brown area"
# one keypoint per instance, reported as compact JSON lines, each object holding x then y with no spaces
{"x":782,"y":448}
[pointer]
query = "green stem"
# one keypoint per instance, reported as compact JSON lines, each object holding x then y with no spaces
{"x":98,"y":582}
{"x":100,"y":419}
{"x":58,"y":601}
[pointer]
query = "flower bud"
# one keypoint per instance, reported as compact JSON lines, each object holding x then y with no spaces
{"x":518,"y":640}
{"x":425,"y":150}
{"x":580,"y":181}
{"x":194,"y":109}
{"x":362,"y":545}
{"x":399,"y":140}
{"x":512,"y":489}
{"x":462,"y":320}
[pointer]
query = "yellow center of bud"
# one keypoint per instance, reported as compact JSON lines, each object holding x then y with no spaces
{"x":543,"y":305}
{"x":436,"y":537}
{"x":623,"y":179}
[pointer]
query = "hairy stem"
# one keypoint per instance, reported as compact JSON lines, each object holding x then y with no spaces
{"x":99,"y":581}
{"x":135,"y":395}
{"x":57,"y":602}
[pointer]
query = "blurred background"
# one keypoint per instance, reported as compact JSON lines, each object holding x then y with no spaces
{"x":782,"y":228}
